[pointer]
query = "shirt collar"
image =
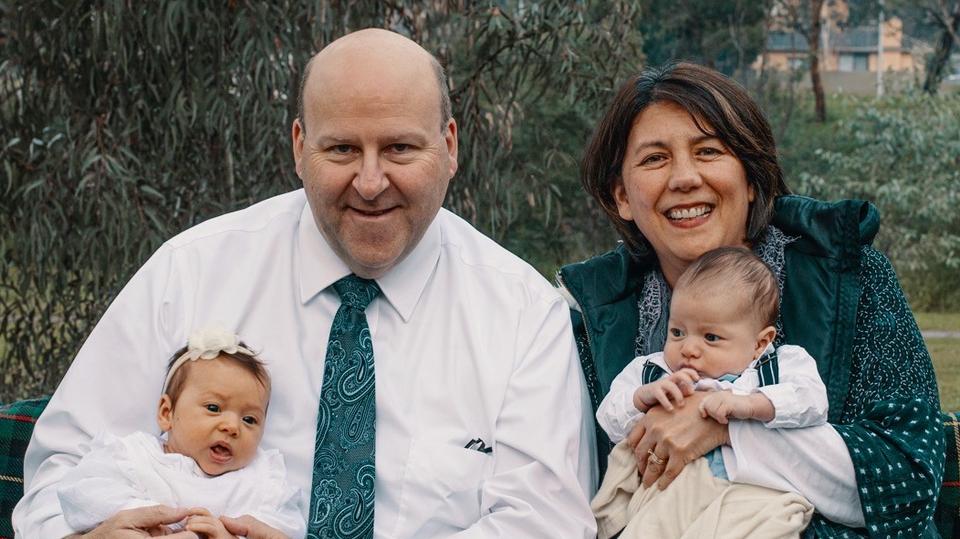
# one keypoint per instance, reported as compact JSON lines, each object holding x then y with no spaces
{"x":402,"y":286}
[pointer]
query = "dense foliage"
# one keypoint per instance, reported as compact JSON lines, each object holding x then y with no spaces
{"x":122,"y":123}
{"x":903,"y":154}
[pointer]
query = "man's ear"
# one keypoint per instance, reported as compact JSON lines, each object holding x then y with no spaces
{"x":165,"y":413}
{"x":450,"y":139}
{"x":764,"y":338}
{"x":297,"y":132}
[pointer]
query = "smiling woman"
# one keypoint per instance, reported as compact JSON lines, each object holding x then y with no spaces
{"x":683,"y":162}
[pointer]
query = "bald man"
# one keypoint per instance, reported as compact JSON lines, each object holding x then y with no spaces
{"x":477,"y":395}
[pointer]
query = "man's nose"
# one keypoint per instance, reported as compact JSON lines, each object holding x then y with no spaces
{"x":370,"y":180}
{"x":684,"y":174}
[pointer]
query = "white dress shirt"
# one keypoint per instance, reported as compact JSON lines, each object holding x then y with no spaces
{"x":132,"y":471}
{"x":799,"y":399}
{"x":469,"y":342}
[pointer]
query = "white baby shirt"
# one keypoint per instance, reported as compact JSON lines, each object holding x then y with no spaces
{"x":133,"y":471}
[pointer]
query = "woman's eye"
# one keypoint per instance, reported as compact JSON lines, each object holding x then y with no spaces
{"x":711,"y":337}
{"x":250,"y":420}
{"x":652,"y":159}
{"x":710,"y":151}
{"x":213,"y":408}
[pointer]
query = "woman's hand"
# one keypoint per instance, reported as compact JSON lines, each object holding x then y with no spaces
{"x":141,"y":522}
{"x":666,"y":441}
{"x":251,"y":528}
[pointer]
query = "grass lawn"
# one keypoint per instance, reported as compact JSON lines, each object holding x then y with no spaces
{"x":939,"y":321}
{"x":946,"y":356}
{"x":946,"y":361}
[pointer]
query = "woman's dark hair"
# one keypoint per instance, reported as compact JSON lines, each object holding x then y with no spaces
{"x":715,"y":102}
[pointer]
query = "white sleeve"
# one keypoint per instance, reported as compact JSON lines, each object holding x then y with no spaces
{"x":800,"y":398}
{"x":281,"y":504}
{"x":534,"y":490}
{"x":97,"y":488}
{"x":113,"y":384}
{"x":813,"y":461}
{"x":616,"y":414}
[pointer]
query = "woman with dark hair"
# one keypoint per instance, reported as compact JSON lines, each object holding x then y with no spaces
{"x":683,"y":162}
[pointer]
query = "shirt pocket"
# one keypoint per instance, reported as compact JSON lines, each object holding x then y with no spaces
{"x":441,"y":488}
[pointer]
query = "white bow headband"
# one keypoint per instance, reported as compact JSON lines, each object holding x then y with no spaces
{"x":207,"y":343}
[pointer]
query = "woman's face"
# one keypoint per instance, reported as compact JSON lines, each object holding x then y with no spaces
{"x":685,"y":190}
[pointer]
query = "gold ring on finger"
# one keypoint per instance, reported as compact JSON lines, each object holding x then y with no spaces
{"x":654,"y":458}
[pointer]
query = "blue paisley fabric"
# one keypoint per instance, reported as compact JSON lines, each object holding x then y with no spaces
{"x":341,"y":500}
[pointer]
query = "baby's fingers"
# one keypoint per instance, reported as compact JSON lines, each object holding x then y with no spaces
{"x":663,"y":398}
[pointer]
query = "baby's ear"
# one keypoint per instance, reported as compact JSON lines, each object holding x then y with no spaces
{"x":165,"y":413}
{"x":764,"y":338}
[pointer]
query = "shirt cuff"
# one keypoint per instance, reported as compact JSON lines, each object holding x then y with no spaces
{"x":788,"y":411}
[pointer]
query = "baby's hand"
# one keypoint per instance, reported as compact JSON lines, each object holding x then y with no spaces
{"x":666,"y":391}
{"x":202,"y":523}
{"x":722,"y":405}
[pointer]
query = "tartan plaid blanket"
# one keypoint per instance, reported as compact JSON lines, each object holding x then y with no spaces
{"x":17,"y":420}
{"x":16,"y":424}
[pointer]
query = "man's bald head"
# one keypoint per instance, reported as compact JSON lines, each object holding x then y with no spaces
{"x":373,"y":41}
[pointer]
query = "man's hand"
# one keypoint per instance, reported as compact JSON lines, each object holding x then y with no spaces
{"x":721,"y":405}
{"x":206,"y":525}
{"x":669,"y":388}
{"x":141,"y":522}
{"x":675,"y":439}
{"x":251,"y":528}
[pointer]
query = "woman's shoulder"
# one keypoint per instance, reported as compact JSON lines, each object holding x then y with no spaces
{"x":602,"y":279}
{"x":836,"y":229}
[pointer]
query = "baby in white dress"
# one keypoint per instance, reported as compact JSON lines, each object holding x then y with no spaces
{"x":212,"y":414}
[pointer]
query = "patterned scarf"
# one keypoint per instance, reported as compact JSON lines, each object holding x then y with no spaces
{"x":654,"y":302}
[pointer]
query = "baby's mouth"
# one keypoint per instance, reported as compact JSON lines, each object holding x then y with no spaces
{"x":221,"y":452}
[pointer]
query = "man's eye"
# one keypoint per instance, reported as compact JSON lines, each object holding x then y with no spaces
{"x":399,"y":147}
{"x":342,"y":148}
{"x":250,"y":420}
{"x":213,"y":408}
{"x":710,"y":337}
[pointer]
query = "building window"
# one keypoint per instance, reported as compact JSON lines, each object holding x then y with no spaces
{"x":855,"y":61}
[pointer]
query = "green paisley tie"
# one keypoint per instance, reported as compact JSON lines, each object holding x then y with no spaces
{"x":341,"y":500}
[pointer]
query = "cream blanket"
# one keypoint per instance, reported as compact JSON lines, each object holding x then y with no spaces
{"x":696,"y":505}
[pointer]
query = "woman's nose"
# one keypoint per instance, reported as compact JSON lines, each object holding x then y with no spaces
{"x":684,"y":175}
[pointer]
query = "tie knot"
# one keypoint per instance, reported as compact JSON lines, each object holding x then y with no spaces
{"x":356,"y":292}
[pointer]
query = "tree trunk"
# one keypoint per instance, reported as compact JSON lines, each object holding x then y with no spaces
{"x":813,"y":40}
{"x":941,"y":54}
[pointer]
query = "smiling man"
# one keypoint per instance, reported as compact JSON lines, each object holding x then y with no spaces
{"x":425,"y":380}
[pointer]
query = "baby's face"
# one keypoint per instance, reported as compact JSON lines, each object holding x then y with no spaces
{"x":708,"y":332}
{"x":219,"y":417}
